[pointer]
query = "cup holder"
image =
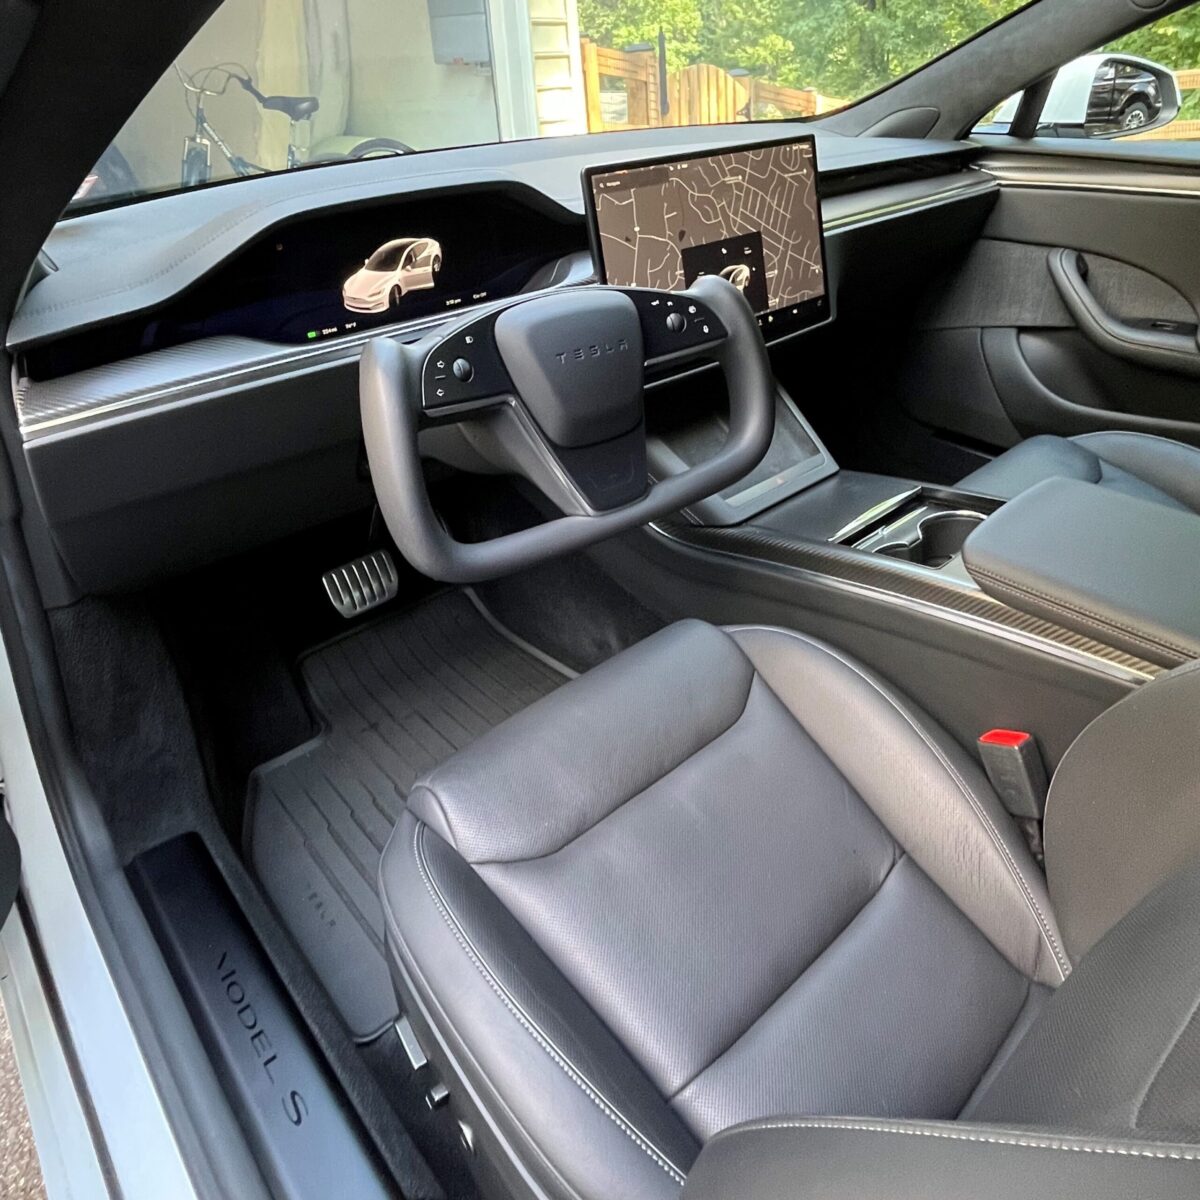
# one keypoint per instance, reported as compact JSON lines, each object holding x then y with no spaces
{"x":937,"y":538}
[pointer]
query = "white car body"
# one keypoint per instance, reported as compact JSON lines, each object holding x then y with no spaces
{"x":398,"y":267}
{"x":738,"y":275}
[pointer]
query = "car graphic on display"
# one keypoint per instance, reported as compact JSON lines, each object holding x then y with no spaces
{"x":398,"y":267}
{"x":738,"y":275}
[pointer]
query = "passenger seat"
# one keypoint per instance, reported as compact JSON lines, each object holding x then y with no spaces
{"x":1138,"y":464}
{"x":732,"y":875}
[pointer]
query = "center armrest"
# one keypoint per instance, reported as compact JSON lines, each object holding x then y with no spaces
{"x":1119,"y":569}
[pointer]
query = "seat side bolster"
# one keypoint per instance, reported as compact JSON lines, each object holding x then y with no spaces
{"x":932,"y":798}
{"x":1116,"y":1047}
{"x":1122,"y":816}
{"x":559,"y":1099}
{"x":856,"y":1159}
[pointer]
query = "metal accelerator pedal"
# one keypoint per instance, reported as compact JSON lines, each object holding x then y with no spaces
{"x":362,"y":585}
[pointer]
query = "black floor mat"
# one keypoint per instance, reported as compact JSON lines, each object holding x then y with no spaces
{"x":397,"y":698}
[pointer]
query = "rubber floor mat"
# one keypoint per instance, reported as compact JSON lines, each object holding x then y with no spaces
{"x":396,"y":697}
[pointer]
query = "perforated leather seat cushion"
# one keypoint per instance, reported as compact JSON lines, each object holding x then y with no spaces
{"x":728,"y":874}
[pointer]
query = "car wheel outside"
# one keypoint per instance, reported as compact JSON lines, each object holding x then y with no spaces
{"x":1136,"y":116}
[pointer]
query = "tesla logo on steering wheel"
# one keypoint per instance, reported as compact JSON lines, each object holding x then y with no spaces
{"x":592,"y":350}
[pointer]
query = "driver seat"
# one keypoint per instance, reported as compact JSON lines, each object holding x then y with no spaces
{"x":731,"y":874}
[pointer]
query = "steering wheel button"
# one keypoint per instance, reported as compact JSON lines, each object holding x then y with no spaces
{"x":463,"y":370}
{"x":676,"y":322}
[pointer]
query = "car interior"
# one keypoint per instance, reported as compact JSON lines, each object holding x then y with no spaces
{"x":628,"y":730}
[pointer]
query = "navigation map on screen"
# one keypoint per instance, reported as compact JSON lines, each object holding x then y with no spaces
{"x":751,"y":215}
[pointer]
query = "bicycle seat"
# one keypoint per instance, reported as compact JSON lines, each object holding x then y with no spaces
{"x":297,"y":108}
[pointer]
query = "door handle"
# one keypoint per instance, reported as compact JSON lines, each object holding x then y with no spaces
{"x":1163,"y":349}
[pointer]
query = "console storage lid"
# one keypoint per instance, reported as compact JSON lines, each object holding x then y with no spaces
{"x":1116,"y":568}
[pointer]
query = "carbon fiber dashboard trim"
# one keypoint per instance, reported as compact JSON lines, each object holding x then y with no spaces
{"x":910,"y":584}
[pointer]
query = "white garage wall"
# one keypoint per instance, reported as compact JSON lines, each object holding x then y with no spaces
{"x":398,"y":91}
{"x":371,"y":65}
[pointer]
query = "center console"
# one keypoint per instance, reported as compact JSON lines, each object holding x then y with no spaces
{"x":872,"y":563}
{"x":799,"y":505}
{"x":875,"y":564}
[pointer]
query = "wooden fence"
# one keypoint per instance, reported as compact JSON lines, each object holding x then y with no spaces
{"x":624,"y":90}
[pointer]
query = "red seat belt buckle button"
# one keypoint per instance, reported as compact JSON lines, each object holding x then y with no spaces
{"x":1014,"y":766}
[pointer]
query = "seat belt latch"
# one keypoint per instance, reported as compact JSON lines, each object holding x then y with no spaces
{"x":1014,"y":765}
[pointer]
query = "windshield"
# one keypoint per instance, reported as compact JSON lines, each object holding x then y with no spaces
{"x":273,"y":85}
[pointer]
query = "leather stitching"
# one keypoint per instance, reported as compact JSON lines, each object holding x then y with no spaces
{"x":1047,"y":934}
{"x":996,"y":1139}
{"x":531,"y":1028}
{"x":1097,"y":619}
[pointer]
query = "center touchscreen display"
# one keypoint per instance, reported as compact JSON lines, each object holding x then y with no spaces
{"x":750,"y":214}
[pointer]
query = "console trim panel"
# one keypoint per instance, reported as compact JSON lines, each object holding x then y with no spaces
{"x":911,"y":586}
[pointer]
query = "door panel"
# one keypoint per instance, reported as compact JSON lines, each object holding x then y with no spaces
{"x":1076,"y":310}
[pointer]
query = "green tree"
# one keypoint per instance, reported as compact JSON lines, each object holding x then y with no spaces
{"x":841,"y":47}
{"x":621,"y":23}
{"x":1173,"y":40}
{"x":851,"y":47}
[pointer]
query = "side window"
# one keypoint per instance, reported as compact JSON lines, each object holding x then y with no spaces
{"x":1145,"y":85}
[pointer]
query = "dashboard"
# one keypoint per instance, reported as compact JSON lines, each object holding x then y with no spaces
{"x":187,"y":366}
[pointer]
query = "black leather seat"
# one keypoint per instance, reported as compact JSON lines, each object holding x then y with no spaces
{"x":731,"y":875}
{"x":1138,"y":464}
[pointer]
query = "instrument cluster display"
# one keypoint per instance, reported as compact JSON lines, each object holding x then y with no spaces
{"x":335,"y":274}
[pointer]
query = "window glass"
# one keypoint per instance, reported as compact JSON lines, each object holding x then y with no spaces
{"x":271,"y":85}
{"x":1145,"y":85}
{"x":1174,"y":42}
